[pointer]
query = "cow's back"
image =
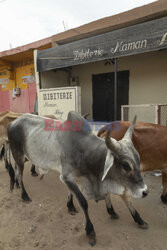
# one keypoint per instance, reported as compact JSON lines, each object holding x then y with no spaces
{"x":36,"y":142}
{"x":150,"y":140}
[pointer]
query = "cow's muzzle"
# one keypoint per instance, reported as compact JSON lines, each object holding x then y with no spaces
{"x":145,"y":192}
{"x":140,"y":192}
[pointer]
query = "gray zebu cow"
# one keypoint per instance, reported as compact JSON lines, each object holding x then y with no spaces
{"x":99,"y":167}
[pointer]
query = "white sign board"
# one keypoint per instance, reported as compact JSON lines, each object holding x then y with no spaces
{"x":4,"y":80}
{"x":59,"y":101}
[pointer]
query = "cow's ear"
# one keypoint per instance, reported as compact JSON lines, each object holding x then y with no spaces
{"x":108,"y":163}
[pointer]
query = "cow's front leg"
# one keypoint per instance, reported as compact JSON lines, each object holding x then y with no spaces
{"x":8,"y":165}
{"x":136,"y":216}
{"x":84,"y":205}
{"x":71,"y":208}
{"x":110,"y":208}
{"x":2,"y":153}
{"x":164,"y":184}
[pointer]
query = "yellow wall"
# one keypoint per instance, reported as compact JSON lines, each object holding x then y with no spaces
{"x":6,"y":73}
{"x":18,"y":72}
{"x":23,"y":71}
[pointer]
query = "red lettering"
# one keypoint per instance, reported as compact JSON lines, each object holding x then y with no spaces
{"x":67,"y":125}
{"x":49,"y":125}
{"x":77,"y":125}
{"x":58,"y":126}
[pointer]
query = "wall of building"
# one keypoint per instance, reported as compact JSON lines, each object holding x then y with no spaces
{"x":22,"y":77}
{"x":147,"y":82}
{"x":6,"y":85}
{"x":148,"y":78}
{"x":54,"y":79}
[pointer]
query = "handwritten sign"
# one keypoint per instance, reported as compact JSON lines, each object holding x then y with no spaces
{"x":139,"y":38}
{"x":135,"y":45}
{"x":59,"y":101}
{"x":85,"y":54}
{"x":4,"y":80}
{"x":28,"y":79}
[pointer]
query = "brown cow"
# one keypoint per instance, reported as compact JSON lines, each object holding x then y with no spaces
{"x":150,"y":140}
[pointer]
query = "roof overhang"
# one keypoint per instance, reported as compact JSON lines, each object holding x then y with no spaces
{"x":23,"y":53}
{"x":139,"y":38}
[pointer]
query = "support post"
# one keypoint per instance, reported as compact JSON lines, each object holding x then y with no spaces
{"x":115,"y":89}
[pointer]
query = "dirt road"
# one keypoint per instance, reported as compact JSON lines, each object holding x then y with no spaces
{"x":45,"y":223}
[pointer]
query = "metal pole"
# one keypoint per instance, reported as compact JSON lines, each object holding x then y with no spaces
{"x":115,"y":90}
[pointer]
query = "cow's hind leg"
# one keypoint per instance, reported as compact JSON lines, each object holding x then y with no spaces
{"x":33,"y":172}
{"x":127,"y":199}
{"x":2,"y":153}
{"x":110,"y":208}
{"x":8,"y":166}
{"x":84,"y":205}
{"x":19,"y":176}
{"x":71,"y":208}
{"x":11,"y":174}
{"x":16,"y":180}
{"x":164,"y":184}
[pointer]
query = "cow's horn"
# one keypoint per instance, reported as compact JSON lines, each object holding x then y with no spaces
{"x":128,"y":134}
{"x":111,"y":143}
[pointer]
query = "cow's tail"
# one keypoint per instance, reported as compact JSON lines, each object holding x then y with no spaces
{"x":8,"y":166}
{"x":2,"y":153}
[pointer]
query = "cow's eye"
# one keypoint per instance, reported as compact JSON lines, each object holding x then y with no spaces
{"x":126,"y":166}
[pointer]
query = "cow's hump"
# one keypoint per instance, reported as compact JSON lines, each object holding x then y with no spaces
{"x":83,"y":124}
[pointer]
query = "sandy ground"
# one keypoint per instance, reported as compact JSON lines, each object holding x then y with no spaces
{"x":45,"y":223}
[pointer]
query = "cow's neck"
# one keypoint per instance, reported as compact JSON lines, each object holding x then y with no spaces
{"x":95,"y":189}
{"x":96,"y":149}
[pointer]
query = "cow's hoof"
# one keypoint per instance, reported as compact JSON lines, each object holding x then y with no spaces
{"x":92,"y":238}
{"x":164,"y":199}
{"x":92,"y":242}
{"x":27,"y":201}
{"x":11,"y":188}
{"x":17,"y":184}
{"x":114,"y":216}
{"x":26,"y":198}
{"x":72,"y":211}
{"x":12,"y":185}
{"x":34,"y":174}
{"x":144,"y":226}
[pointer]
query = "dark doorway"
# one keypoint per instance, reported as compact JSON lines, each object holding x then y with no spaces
{"x":103,"y":95}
